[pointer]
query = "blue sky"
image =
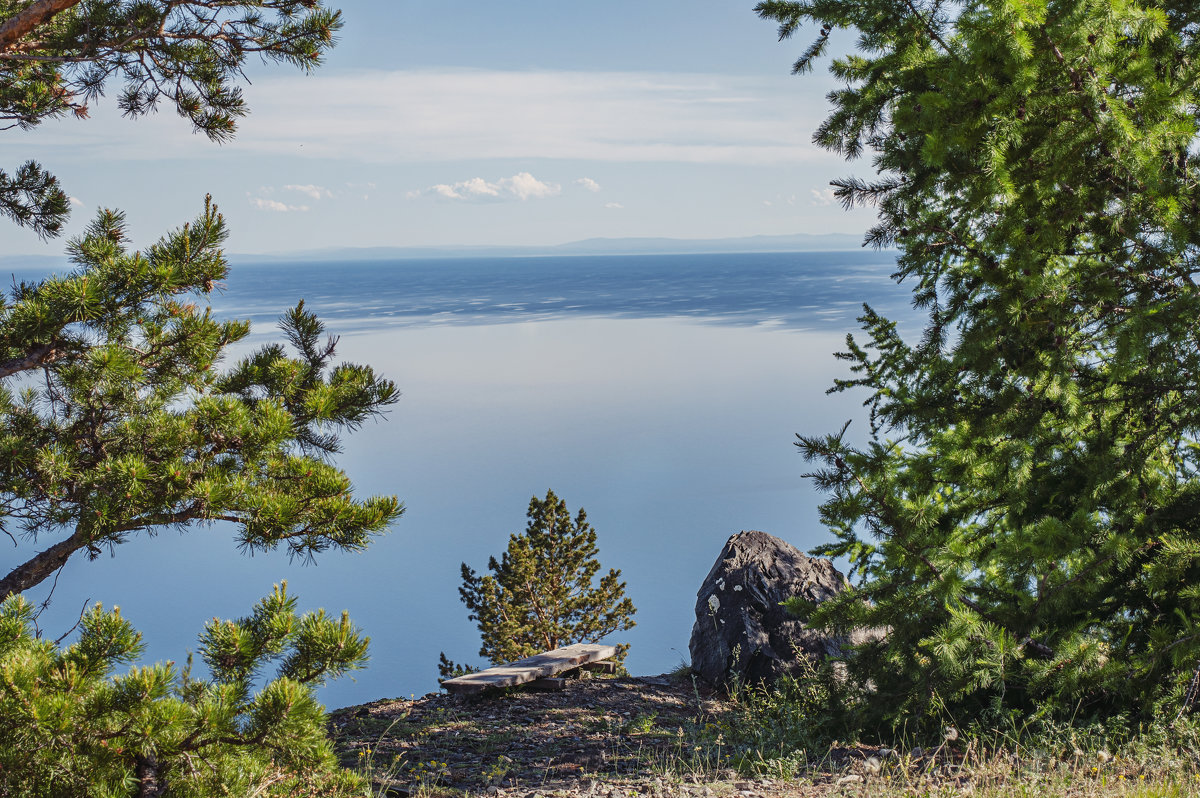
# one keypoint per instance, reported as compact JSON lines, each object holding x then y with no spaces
{"x":474,"y":123}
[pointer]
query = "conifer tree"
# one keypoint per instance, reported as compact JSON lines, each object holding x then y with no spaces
{"x":118,"y":418}
{"x":132,"y":426}
{"x":541,"y":594}
{"x":70,"y":726}
{"x":1023,"y":519}
{"x":56,"y":57}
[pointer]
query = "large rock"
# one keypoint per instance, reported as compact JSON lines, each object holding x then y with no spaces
{"x":740,"y":628}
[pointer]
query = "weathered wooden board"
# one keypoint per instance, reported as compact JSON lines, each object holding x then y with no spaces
{"x":526,"y":670}
{"x":600,"y":667}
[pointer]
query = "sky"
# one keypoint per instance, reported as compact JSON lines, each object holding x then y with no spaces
{"x":478,"y":123}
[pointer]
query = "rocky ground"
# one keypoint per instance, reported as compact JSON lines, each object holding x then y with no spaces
{"x":660,"y":737}
{"x":598,"y":736}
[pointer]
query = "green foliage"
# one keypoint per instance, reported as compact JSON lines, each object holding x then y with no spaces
{"x":449,"y":669}
{"x":805,"y":711}
{"x":131,"y":426}
{"x":33,"y":198}
{"x":116,"y":419}
{"x":1023,"y":519}
{"x":69,"y":725}
{"x":541,"y":595}
{"x":57,"y":56}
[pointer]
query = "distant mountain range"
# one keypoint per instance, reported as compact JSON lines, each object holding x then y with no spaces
{"x":798,"y":242}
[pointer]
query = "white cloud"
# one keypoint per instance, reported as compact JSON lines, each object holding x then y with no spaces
{"x":614,"y":205}
{"x":316,"y":192}
{"x":475,"y":188}
{"x":78,"y":203}
{"x":525,"y":186}
{"x":588,"y":183}
{"x":274,"y":205}
{"x":521,"y":186}
{"x":825,"y":197}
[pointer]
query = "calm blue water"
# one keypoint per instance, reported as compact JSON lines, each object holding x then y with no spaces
{"x":661,"y":393}
{"x":808,"y":291}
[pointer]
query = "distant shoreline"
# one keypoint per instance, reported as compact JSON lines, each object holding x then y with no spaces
{"x":800,"y":242}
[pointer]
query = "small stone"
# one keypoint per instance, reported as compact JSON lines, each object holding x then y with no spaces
{"x":853,"y":778}
{"x":918,"y":752}
{"x":873,"y":765}
{"x":493,"y":790}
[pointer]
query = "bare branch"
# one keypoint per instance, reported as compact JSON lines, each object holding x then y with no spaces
{"x":38,"y":356}
{"x":41,"y":565}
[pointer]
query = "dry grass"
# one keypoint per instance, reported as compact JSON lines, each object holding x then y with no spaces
{"x":664,"y":737}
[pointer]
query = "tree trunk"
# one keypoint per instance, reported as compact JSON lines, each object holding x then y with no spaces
{"x":149,"y":783}
{"x":40,"y":566}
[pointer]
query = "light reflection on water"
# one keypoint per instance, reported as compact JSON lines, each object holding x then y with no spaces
{"x":668,"y":413}
{"x":803,"y":290}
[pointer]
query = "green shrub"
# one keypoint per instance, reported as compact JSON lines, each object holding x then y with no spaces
{"x":71,"y":726}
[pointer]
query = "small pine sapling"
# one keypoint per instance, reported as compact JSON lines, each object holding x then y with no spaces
{"x":541,"y":595}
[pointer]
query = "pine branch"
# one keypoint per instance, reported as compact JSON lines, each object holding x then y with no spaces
{"x":21,"y":24}
{"x":37,"y":357}
{"x":41,"y":565}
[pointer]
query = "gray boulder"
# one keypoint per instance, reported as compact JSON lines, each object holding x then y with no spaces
{"x":741,"y":630}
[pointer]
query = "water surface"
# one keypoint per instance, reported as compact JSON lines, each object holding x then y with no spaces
{"x":661,"y":393}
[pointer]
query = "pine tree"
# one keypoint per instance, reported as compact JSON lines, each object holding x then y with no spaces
{"x":117,"y":419}
{"x":56,"y":56}
{"x":70,"y":726}
{"x":132,"y":426}
{"x":1023,"y":519}
{"x":541,"y":594}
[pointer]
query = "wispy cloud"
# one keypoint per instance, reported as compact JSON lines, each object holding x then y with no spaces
{"x":588,"y":183}
{"x":422,"y":116}
{"x":824,"y":197}
{"x":75,"y":201}
{"x":614,"y":205}
{"x":521,"y":186}
{"x":316,"y":192}
{"x":475,"y":188}
{"x":264,"y":204}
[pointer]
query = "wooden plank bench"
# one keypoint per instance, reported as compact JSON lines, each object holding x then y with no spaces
{"x":533,"y":669}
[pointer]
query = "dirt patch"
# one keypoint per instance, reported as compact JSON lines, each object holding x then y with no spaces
{"x":621,"y":733}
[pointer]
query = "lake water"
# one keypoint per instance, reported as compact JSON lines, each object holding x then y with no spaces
{"x":661,"y":393}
